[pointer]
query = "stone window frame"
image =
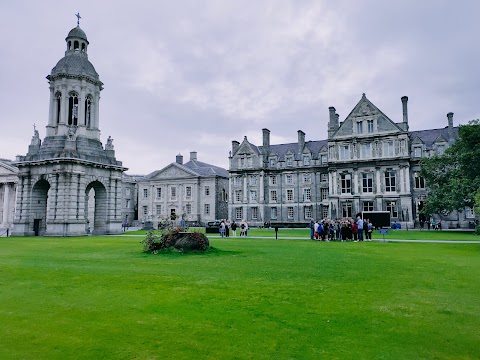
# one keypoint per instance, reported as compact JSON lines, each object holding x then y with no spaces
{"x":289,"y":179}
{"x":307,"y":212}
{"x":290,"y":212}
{"x":370,"y":126}
{"x":206,"y":209}
{"x":347,"y":209}
{"x":323,"y":194}
{"x":325,"y":212}
{"x":188,"y":189}
{"x":307,"y":178}
{"x":390,"y":178}
{"x":173,"y":193}
{"x":238,"y":213}
{"x":388,"y":148}
{"x":391,"y":205}
{"x":158,"y":209}
{"x":273,"y":179}
{"x":307,"y":194}
{"x":253,"y":196}
{"x":344,"y":152}
{"x":188,"y":209}
{"x":273,"y":212}
{"x":366,"y":187}
{"x":207,"y":190}
{"x":420,"y":151}
{"x":273,"y":196}
{"x":306,"y":160}
{"x":345,"y":183}
{"x":368,"y":205}
{"x":73,"y":108}
{"x":360,"y":127}
{"x":254,"y":213}
{"x":238,"y":195}
{"x":145,"y":193}
{"x":289,"y":195}
{"x":159,"y":192}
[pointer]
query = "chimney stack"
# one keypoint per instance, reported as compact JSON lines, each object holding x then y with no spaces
{"x":266,"y":139}
{"x":301,"y":141}
{"x":235,"y":146}
{"x":179,"y":159}
{"x":332,"y":122}
{"x":193,"y":155}
{"x":450,"y":125}
{"x":405,"y":109}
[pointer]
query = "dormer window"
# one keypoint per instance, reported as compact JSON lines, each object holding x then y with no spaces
{"x":344,"y":152}
{"x":370,"y":126}
{"x":417,"y":152}
{"x":289,"y":161}
{"x":273,"y":162}
{"x":324,"y":159}
{"x":359,"y":127}
{"x":306,"y":160}
{"x":440,"y":149}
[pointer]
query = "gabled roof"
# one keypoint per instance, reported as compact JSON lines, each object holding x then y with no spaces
{"x":430,"y":136}
{"x":247,"y":145}
{"x":193,"y":168}
{"x":7,"y":164}
{"x":281,"y":149}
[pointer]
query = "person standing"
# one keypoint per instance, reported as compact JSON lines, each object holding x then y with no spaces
{"x":234,"y":229}
{"x":312,"y":229}
{"x":222,"y":229}
{"x":360,"y":228}
{"x":227,"y":229}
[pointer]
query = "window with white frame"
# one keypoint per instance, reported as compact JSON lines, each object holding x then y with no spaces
{"x":273,"y":162}
{"x":347,"y":210}
{"x":273,"y":212}
{"x":289,"y":160}
{"x":324,"y":159}
{"x":307,"y":194}
{"x":238,"y":195}
{"x":273,"y":195}
{"x":367,"y":182}
{"x":289,"y":179}
{"x":237,"y":180}
{"x":390,"y":180}
{"x":238,"y":213}
{"x":290,"y":212}
{"x":188,"y":208}
{"x":253,"y":196}
{"x":325,"y":212}
{"x":207,"y":209}
{"x":145,"y":193}
{"x":346,"y":183}
{"x":253,"y":179}
{"x":344,"y":152}
{"x":370,"y":126}
{"x":307,"y":178}
{"x":324,"y":193}
{"x":188,"y":191}
{"x":469,"y":213}
{"x":207,"y":190}
{"x":158,"y":209}
{"x":388,"y":148}
{"x":306,"y":160}
{"x":273,"y":179}
{"x":289,"y":194}
{"x":159,"y":193}
{"x":173,"y":192}
{"x":145,"y":210}
{"x":307,"y":212}
{"x":419,"y":181}
{"x":254,"y":213}
{"x":417,"y":151}
{"x":359,"y":127}
{"x":392,"y":207}
{"x":366,"y":151}
{"x":368,"y":206}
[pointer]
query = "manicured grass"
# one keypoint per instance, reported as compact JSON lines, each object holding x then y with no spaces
{"x":392,"y":234}
{"x":102,"y":298}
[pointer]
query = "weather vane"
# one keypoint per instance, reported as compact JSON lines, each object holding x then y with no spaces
{"x":78,"y":18}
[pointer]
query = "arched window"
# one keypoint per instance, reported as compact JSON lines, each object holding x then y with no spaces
{"x":69,"y":45}
{"x":88,"y":111}
{"x":76,"y":45}
{"x":73,"y":109}
{"x":83,"y":47}
{"x":58,"y":106}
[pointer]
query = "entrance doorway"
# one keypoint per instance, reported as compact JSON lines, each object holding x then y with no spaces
{"x":96,"y":208}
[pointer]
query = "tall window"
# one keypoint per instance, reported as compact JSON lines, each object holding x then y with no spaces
{"x":158,"y":209}
{"x":440,"y":149}
{"x":188,"y":208}
{"x":289,"y":161}
{"x":254,"y":213}
{"x":173,"y":192}
{"x":346,"y":183}
{"x":417,"y":152}
{"x":370,"y":126}
{"x":273,"y":179}
{"x":207,"y":190}
{"x":290,"y":212}
{"x":188,"y":191}
{"x":145,"y":211}
{"x":289,"y":179}
{"x":344,"y":152}
{"x":207,"y":209}
{"x":390,"y":180}
{"x":159,"y":193}
{"x":273,"y":213}
{"x":324,"y":193}
{"x":253,"y":180}
{"x":324,"y":177}
{"x":307,"y":177}
{"x":239,"y":213}
{"x":388,"y":149}
{"x":58,"y":100}
{"x":306,"y":160}
{"x":366,"y":151}
{"x":307,"y":212}
{"x":367,"y":182}
{"x":224,"y":195}
{"x":325,"y":212}
{"x":237,"y":180}
{"x":273,"y":195}
{"x":359,"y":127}
{"x":253,"y":196}
{"x":419,"y":182}
{"x":289,"y":195}
{"x":88,"y":111}
{"x":307,"y":195}
{"x":273,"y":162}
{"x":238,"y":195}
{"x":145,"y":193}
{"x":127,"y":191}
{"x":324,"y":159}
{"x":392,"y":207}
{"x":347,"y":210}
{"x":368,"y":206}
{"x":73,"y":109}
{"x":127,"y":203}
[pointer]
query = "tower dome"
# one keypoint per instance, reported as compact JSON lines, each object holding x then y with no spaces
{"x":78,"y":33}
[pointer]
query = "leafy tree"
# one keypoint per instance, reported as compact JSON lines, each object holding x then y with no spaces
{"x":453,"y":179}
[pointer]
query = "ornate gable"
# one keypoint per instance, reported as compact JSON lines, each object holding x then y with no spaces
{"x":246,"y":148}
{"x":417,"y":141}
{"x":440,"y":139}
{"x":173,"y":170}
{"x":363,"y":112}
{"x":6,"y":169}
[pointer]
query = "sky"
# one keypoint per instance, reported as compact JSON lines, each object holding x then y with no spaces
{"x":182,"y":76}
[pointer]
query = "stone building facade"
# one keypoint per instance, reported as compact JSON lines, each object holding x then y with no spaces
{"x":195,"y":190}
{"x":69,"y":184}
{"x":367,"y":163}
{"x":8,"y":188}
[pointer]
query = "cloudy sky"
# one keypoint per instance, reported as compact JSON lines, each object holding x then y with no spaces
{"x":185,"y":76}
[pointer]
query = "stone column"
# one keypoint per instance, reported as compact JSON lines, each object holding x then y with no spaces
{"x":355,"y":181}
{"x":97,"y":111}
{"x":377,"y":173}
{"x":407,"y":178}
{"x":51,"y":112}
{"x":6,"y":199}
{"x":81,"y":107}
{"x":64,"y":110}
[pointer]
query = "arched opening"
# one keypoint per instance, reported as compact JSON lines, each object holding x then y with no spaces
{"x":88,"y":111}
{"x":76,"y":45}
{"x":69,"y":45}
{"x":96,"y":208}
{"x":40,"y":206}
{"x":73,"y":109}
{"x":83,"y":47}
{"x":58,"y":106}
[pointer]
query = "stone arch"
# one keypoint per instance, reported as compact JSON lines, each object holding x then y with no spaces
{"x":96,"y":201}
{"x":39,"y":206}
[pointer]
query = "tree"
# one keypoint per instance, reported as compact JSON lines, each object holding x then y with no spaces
{"x":453,"y":179}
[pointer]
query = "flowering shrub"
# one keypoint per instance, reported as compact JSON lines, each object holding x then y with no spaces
{"x":174,"y":237}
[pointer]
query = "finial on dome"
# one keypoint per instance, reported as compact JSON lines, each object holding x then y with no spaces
{"x":78,"y":18}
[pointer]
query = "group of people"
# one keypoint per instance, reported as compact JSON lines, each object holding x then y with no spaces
{"x":342,"y":230}
{"x":226,"y":226}
{"x":435,"y":225}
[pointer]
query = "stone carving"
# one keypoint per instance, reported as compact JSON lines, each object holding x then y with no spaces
{"x":71,"y":133}
{"x":35,"y":137}
{"x":109,"y":144}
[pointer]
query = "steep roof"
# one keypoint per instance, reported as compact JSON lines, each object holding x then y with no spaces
{"x":282,"y":149}
{"x":204,"y":169}
{"x":430,"y":136}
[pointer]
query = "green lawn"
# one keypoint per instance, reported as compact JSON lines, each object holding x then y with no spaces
{"x":392,"y":234}
{"x":102,"y":298}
